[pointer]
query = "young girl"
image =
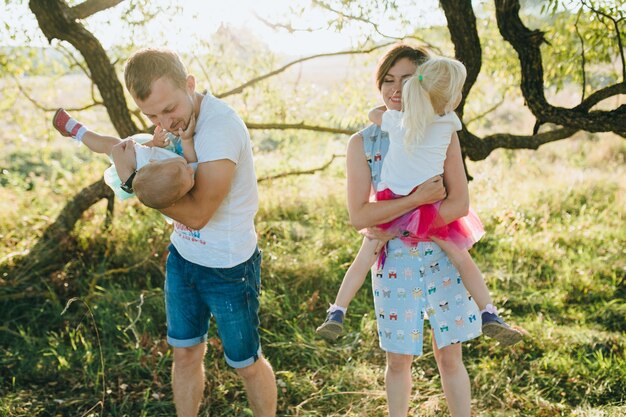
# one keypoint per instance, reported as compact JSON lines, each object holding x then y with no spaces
{"x":418,"y":141}
{"x":156,"y":175}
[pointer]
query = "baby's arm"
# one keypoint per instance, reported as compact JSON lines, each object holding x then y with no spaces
{"x":186,"y":139}
{"x":159,"y":138}
{"x":124,"y":158}
{"x":376,"y":115}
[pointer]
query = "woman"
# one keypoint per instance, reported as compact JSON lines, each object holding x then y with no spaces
{"x":414,"y":281}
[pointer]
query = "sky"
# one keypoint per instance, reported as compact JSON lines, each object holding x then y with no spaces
{"x":235,"y":13}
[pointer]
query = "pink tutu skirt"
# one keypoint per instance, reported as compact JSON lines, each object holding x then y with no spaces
{"x":424,"y":223}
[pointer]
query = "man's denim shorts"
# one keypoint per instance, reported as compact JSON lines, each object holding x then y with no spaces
{"x":195,"y":293}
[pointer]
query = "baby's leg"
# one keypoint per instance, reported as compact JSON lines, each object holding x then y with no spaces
{"x":68,"y":126}
{"x":355,"y":275}
{"x":470,"y":274}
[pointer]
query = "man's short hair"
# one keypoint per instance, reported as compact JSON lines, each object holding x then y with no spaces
{"x":148,"y":65}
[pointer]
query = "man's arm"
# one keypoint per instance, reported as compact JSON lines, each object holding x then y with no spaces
{"x":212,"y":183}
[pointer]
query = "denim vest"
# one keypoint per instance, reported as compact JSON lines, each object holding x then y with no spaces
{"x":375,"y":145}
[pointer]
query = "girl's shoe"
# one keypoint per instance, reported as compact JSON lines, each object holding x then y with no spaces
{"x":332,"y":327}
{"x":495,"y":327}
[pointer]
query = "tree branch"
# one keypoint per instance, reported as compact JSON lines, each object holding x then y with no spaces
{"x":300,"y":172}
{"x":42,"y":107}
{"x":372,"y":24}
{"x":478,"y":149}
{"x":527,"y":45}
{"x":90,"y":7}
{"x":598,"y":96}
{"x":54,"y":18}
{"x":620,"y":46}
{"x":462,"y":27}
{"x":486,"y":112}
{"x":299,"y":126}
{"x":253,"y":81}
{"x":582,"y":56}
{"x":284,"y":26}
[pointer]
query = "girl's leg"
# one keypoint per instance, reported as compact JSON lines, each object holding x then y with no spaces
{"x":492,"y":324}
{"x":454,"y":379}
{"x":352,"y":281}
{"x":398,"y":383}
{"x":355,"y":275}
{"x":68,"y":126}
{"x":470,"y":274}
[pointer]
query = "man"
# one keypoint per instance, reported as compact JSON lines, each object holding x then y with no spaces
{"x":213,"y":269}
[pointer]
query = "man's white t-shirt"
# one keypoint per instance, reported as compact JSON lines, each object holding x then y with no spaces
{"x":229,"y":238}
{"x":405,"y":168}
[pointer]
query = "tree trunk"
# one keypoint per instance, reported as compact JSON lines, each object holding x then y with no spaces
{"x":58,"y":21}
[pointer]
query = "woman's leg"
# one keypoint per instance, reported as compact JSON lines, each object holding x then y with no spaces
{"x":454,"y":378}
{"x":470,"y":274}
{"x":398,"y":383}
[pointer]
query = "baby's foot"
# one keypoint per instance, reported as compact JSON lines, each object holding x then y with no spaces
{"x":67,"y":126}
{"x":333,"y":325}
{"x":495,"y":327}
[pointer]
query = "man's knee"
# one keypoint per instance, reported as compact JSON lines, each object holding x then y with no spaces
{"x":189,"y":356}
{"x":399,"y":363}
{"x":252,"y":371}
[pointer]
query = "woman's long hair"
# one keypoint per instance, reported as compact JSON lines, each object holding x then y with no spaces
{"x":433,"y":90}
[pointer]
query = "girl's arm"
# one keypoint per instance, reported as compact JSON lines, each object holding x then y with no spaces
{"x":364,"y":213}
{"x":376,"y":115}
{"x":456,"y":204}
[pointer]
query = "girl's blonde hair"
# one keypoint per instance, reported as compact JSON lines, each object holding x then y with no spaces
{"x":433,"y":90}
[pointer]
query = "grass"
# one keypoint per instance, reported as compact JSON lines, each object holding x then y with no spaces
{"x":554,"y":258}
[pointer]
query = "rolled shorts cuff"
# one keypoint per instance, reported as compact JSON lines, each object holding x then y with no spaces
{"x":246,"y":362}
{"x":178,"y":343}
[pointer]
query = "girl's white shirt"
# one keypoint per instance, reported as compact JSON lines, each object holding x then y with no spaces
{"x":405,"y":167}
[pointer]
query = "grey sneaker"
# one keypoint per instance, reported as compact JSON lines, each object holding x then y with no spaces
{"x":332,"y":327}
{"x":495,"y":327}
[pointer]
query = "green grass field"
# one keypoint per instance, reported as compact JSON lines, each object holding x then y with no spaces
{"x":554,"y":257}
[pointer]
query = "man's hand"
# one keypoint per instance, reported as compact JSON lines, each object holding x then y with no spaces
{"x":160,"y":137}
{"x":187,"y":134}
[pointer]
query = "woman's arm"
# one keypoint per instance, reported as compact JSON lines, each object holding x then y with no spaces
{"x":456,"y":205}
{"x":364,"y":213}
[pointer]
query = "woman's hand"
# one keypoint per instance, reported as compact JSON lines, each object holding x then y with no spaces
{"x":431,"y":191}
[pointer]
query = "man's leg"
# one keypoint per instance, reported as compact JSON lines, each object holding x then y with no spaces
{"x":188,"y":379}
{"x":398,"y":383}
{"x":260,"y":385}
{"x":454,"y":378}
